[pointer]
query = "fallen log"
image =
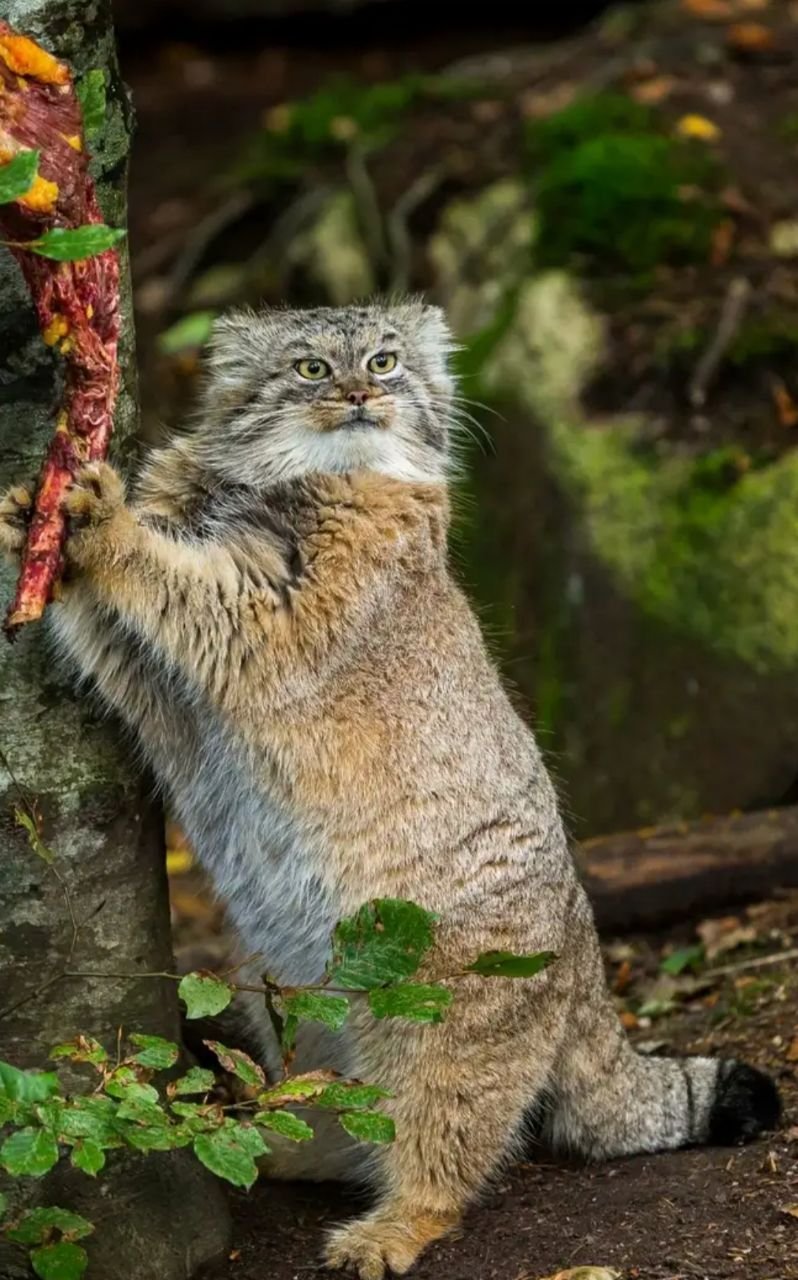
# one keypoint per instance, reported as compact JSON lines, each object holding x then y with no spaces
{"x":639,"y":879}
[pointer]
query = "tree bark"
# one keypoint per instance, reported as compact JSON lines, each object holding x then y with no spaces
{"x":639,"y":879}
{"x":158,"y":1217}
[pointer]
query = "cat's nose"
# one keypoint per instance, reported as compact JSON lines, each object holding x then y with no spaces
{"x":357,"y":397}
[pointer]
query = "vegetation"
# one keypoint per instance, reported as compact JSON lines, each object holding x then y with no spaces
{"x":611,"y":188}
{"x":136,"y":1100}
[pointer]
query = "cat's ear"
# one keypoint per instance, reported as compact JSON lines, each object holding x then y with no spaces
{"x":435,"y":329}
{"x":235,"y":341}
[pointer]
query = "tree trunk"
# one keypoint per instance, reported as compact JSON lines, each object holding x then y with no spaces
{"x":161,"y":1216}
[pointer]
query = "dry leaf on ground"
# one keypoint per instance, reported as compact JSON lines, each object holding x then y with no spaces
{"x":586,"y":1273}
{"x":725,"y":934}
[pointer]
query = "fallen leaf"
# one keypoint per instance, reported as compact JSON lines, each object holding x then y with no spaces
{"x":791,"y":1209}
{"x":622,"y":978}
{"x":536,"y":104}
{"x":786,"y":408}
{"x":650,"y":1048}
{"x":792,"y":1134}
{"x":750,"y":38}
{"x":725,"y":934}
{"x":586,"y":1273}
{"x":695,"y":126}
{"x":652,"y":92}
{"x":628,"y":1020}
{"x":792,"y":1052}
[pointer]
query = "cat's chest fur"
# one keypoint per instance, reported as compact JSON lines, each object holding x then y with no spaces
{"x":265,"y":862}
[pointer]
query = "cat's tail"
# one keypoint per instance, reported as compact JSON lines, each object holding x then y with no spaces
{"x":607,"y":1100}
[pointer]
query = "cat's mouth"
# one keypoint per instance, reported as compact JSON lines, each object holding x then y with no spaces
{"x":358,"y":420}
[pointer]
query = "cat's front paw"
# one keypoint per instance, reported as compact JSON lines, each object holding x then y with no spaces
{"x":96,"y":496}
{"x":383,"y":1242}
{"x":15,"y":509}
{"x":96,"y":507}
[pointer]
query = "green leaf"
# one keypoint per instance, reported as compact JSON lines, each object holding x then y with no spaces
{"x":90,"y":1117}
{"x":204,"y":994}
{"x":29,"y":1151}
{"x":27,"y":1086}
{"x":383,"y":943}
{"x":296,"y":1087}
{"x":411,"y":1000}
{"x":17,"y":175}
{"x":250,"y":1138}
{"x":225,"y":1155}
{"x":90,"y":90}
{"x":8,"y":1109}
{"x":506,"y":964}
{"x":187,"y":333}
{"x":685,"y":958}
{"x":197,"y":1080}
{"x":35,"y":841}
{"x":307,"y":1006}
{"x":36,"y":1226}
{"x":3,"y":1204}
{"x":72,"y":244}
{"x":142,"y":1111}
{"x":62,"y":1261}
{"x":124,"y":1083}
{"x":88,"y":1156}
{"x":155,"y":1052}
{"x":368,"y":1126}
{"x":285,"y":1123}
{"x":238,"y":1063}
{"x":351,"y":1095}
{"x":158,"y":1137}
{"x":81,"y":1049}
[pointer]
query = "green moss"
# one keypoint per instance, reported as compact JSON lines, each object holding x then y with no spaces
{"x":610,"y":188}
{"x":705,"y":545}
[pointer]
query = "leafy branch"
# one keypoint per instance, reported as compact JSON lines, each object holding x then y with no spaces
{"x":375,"y":954}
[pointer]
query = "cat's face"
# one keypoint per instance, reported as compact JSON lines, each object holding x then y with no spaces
{"x":292,"y":392}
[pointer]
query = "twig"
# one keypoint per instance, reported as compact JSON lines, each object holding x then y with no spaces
{"x":201,"y":236}
{"x":731,"y":315}
{"x":366,"y":203}
{"x":396,"y":224}
{"x":758,"y":962}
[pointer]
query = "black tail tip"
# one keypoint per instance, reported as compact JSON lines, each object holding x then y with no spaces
{"x":746,"y":1103}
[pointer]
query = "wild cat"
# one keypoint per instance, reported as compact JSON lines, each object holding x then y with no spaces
{"x":275,"y":616}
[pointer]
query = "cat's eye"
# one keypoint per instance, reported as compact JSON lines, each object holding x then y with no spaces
{"x":314,"y":370}
{"x":383,"y":362}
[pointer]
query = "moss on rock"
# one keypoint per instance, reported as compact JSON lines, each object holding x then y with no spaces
{"x":705,"y":545}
